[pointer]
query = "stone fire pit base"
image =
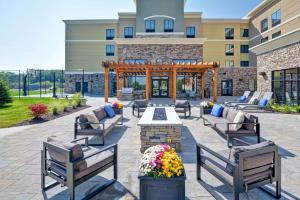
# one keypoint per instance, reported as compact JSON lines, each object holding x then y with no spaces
{"x":155,"y":135}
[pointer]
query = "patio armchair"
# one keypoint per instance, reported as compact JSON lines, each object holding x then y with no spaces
{"x":267,"y":97}
{"x":246,"y":95}
{"x":140,"y":106}
{"x":243,"y":168}
{"x":71,"y":164}
{"x":252,"y":101}
{"x":183,"y":106}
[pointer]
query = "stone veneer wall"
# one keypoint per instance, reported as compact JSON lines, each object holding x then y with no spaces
{"x":283,"y":58}
{"x":155,"y":135}
{"x":161,"y":54}
{"x":95,"y":83}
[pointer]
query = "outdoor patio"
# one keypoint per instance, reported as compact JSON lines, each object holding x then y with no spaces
{"x":20,"y":156}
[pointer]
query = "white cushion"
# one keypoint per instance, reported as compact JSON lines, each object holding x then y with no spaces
{"x":91,"y":117}
{"x":253,"y":100}
{"x":239,"y":118}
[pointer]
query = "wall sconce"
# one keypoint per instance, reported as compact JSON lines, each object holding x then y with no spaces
{"x":240,"y":79}
{"x":224,"y":73}
{"x":262,"y":73}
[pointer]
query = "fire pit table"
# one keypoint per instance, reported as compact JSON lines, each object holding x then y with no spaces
{"x":160,"y":125}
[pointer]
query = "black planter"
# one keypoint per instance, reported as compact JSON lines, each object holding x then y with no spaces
{"x":162,"y":188}
{"x":207,"y":111}
{"x":118,"y":111}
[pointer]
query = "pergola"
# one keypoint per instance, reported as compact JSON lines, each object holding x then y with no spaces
{"x":173,"y":69}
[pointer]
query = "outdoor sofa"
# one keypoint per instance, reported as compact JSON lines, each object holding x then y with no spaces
{"x":226,"y":126}
{"x":246,"y":95}
{"x":140,"y":106}
{"x":262,"y":104}
{"x":183,"y":106}
{"x":97,"y":123}
{"x":243,"y":168}
{"x":71,"y":164}
{"x":256,"y":97}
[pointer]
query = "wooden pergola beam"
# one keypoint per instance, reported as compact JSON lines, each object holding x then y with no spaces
{"x":174,"y":84}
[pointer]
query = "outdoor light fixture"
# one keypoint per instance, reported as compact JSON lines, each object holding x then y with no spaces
{"x":240,"y":79}
{"x":262,"y":73}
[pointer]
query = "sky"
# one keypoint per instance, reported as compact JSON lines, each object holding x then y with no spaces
{"x":32,"y":32}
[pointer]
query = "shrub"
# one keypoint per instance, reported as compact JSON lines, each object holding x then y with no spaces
{"x":38,"y":110}
{"x":74,"y":104}
{"x":4,"y":93}
{"x":65,"y":105}
{"x":56,"y":107}
{"x":77,"y":98}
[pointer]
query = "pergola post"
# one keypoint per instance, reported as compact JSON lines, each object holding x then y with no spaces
{"x":147,"y":82}
{"x":215,"y":87}
{"x":106,"y":82}
{"x":203,"y":83}
{"x":171,"y":84}
{"x":174,"y":83}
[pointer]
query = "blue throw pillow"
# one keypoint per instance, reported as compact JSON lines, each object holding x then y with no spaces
{"x":243,"y":98}
{"x":263,"y":102}
{"x":109,"y":111}
{"x":217,"y":110}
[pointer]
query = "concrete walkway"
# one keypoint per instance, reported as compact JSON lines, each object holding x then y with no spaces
{"x":20,"y":157}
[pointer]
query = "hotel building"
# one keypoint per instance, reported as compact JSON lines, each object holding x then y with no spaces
{"x":161,"y":32}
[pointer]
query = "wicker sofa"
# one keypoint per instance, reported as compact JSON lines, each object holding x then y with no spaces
{"x":83,"y":126}
{"x":250,"y":125}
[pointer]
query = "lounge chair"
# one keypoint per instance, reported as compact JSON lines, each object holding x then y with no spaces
{"x":252,"y":101}
{"x":183,"y":106}
{"x":243,"y":168}
{"x":140,"y":106}
{"x":246,"y":95}
{"x":267,"y":96}
{"x":71,"y":164}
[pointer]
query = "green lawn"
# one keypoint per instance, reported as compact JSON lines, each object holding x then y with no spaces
{"x":32,"y":92}
{"x":17,"y":111}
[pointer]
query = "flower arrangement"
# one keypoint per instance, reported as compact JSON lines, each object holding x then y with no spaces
{"x":38,"y":110}
{"x":117,"y":105}
{"x":161,"y":161}
{"x":207,"y":104}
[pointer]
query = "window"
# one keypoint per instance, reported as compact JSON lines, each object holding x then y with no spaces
{"x":110,"y":50}
{"x":186,"y":83}
{"x":264,"y":25}
{"x":134,"y":61}
{"x":244,"y":63}
{"x":183,"y":61}
{"x":276,"y":18}
{"x":244,"y":48}
{"x":110,"y":34}
{"x":264,"y":39}
{"x":227,"y":87}
{"x":277,"y":34}
{"x":168,"y":25}
{"x":229,"y":63}
{"x":190,"y":32}
{"x":150,"y":26}
{"x":229,"y":33}
{"x":229,"y":50}
{"x":244,"y":32}
{"x":128,"y":32}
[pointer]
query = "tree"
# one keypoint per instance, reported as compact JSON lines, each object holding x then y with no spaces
{"x":4,"y":93}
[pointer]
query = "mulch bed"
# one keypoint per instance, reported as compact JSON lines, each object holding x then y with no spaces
{"x":50,"y":117}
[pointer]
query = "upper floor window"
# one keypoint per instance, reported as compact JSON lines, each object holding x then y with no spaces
{"x":277,"y":34}
{"x":190,"y":32}
{"x":110,"y":34}
{"x":169,"y":25}
{"x":264,"y":25}
{"x":244,"y":32}
{"x":244,"y":63}
{"x":244,"y":48}
{"x":110,"y":50}
{"x":128,"y":32}
{"x":276,"y":18}
{"x":229,"y":50}
{"x":264,"y":39}
{"x":150,"y":25}
{"x":229,"y":63}
{"x":229,"y":33}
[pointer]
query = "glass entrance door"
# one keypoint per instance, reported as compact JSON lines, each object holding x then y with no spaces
{"x":160,"y":87}
{"x":227,"y":87}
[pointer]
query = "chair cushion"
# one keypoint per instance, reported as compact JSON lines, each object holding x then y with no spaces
{"x":182,"y":103}
{"x":249,"y":122}
{"x":114,"y":120}
{"x":93,"y":120}
{"x":225,"y":112}
{"x":109,"y":110}
{"x":142,"y":103}
{"x":253,"y":100}
{"x":217,"y":110}
{"x":239,"y":119}
{"x":214,"y":120}
{"x":231,"y":114}
{"x":100,"y":113}
{"x":243,"y":98}
{"x":82,"y":120}
{"x":263,"y":102}
{"x":76,"y":151}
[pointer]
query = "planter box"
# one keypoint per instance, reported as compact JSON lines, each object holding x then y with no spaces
{"x":162,"y":188}
{"x":118,"y":111}
{"x":207,"y":111}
